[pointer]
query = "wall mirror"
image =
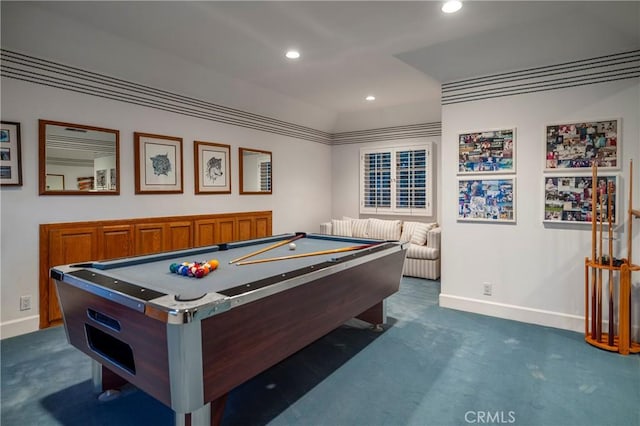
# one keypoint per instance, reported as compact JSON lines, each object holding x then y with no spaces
{"x":255,"y":171}
{"x":77,"y":159}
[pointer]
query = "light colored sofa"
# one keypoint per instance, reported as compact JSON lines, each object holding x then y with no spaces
{"x":423,"y":253}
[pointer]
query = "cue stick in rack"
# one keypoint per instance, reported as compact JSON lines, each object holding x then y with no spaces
{"x":594,"y":277}
{"x":599,"y":320}
{"x":315,"y":253}
{"x":629,"y":245}
{"x":609,"y":218}
{"x":257,"y":252}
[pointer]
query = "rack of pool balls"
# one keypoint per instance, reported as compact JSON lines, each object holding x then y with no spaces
{"x":194,"y":269}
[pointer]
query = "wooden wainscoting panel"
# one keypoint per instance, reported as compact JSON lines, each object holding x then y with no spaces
{"x":116,"y":241}
{"x":67,"y":246}
{"x":150,"y":238}
{"x":263,"y":226}
{"x":179,"y":235}
{"x":246,"y":226}
{"x":226,"y":230}
{"x":205,"y":232}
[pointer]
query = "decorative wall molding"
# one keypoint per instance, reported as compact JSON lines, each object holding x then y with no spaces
{"x":388,"y":133}
{"x":23,"y":67}
{"x":39,"y":71}
{"x":600,"y":69}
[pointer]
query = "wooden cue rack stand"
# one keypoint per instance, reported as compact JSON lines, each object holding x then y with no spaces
{"x":600,"y":263}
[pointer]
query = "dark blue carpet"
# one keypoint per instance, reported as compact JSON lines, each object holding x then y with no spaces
{"x":431,"y":366}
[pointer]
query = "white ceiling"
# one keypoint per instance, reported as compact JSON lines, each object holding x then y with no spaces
{"x":398,"y":51}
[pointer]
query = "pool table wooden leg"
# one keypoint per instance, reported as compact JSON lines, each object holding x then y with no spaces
{"x":375,"y":315}
{"x":105,"y":382}
{"x":211,"y":413}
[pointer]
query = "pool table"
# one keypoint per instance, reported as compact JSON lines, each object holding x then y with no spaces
{"x":188,"y":341}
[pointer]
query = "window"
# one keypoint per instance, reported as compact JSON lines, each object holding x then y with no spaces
{"x":396,"y":180}
{"x":265,"y":176}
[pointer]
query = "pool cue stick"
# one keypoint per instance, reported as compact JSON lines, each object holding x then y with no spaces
{"x":594,"y":270}
{"x":630,"y":212}
{"x":315,"y":253}
{"x":629,"y":245}
{"x":281,"y":243}
{"x":610,"y":218}
{"x":599,"y":280}
{"x":599,"y":323}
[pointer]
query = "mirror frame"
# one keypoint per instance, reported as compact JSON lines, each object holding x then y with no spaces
{"x":241,"y":151}
{"x":42,"y":159}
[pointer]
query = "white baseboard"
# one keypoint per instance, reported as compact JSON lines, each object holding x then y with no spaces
{"x":19,"y":326}
{"x":514,"y":312}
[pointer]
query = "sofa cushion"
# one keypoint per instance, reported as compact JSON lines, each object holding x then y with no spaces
{"x":416,"y":232}
{"x":415,"y":251}
{"x":341,"y":227}
{"x":384,"y":229}
{"x":359,"y":227}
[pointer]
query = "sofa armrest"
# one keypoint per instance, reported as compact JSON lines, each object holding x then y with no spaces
{"x":326,"y":228}
{"x":433,"y":238}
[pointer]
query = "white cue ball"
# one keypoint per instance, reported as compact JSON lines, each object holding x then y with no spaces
{"x":292,"y":246}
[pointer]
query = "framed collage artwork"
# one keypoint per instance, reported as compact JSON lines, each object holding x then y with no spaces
{"x":488,"y":152}
{"x":10,"y":154}
{"x":212,"y":168}
{"x":577,"y":145}
{"x":568,"y":198}
{"x":158,"y":164}
{"x":489,"y":199}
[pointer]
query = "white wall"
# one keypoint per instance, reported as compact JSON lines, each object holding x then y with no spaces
{"x":301,"y":189}
{"x":537,"y":270}
{"x":345,"y":172}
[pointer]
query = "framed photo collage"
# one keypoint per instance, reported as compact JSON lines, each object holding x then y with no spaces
{"x":571,"y":150}
{"x":486,"y":175}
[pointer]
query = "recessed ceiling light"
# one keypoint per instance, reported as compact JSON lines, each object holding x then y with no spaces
{"x":292,"y":54}
{"x":452,"y":6}
{"x":370,"y":98}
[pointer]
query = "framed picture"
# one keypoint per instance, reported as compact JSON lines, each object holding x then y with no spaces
{"x":10,"y":155}
{"x":568,"y":198}
{"x":55,"y":182}
{"x":212,"y":168}
{"x":489,"y":151}
{"x":578,"y":145}
{"x":158,"y":164}
{"x":487,"y":199}
{"x":101,"y":179}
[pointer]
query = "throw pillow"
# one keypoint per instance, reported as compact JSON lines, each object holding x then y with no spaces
{"x":384,"y":229}
{"x":416,"y":232}
{"x":341,"y":227}
{"x":407,"y":230}
{"x":360,"y":228}
{"x":419,"y":235}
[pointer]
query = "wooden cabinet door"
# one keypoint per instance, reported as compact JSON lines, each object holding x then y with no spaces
{"x":179,"y":235}
{"x":205,"y":232}
{"x":226,"y":230}
{"x":116,"y":241}
{"x":69,"y":246}
{"x":149,"y":238}
{"x":263,"y":226}
{"x":245,"y":228}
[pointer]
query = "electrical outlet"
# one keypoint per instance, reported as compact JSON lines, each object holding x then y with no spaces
{"x":25,"y":303}
{"x":486,"y":289}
